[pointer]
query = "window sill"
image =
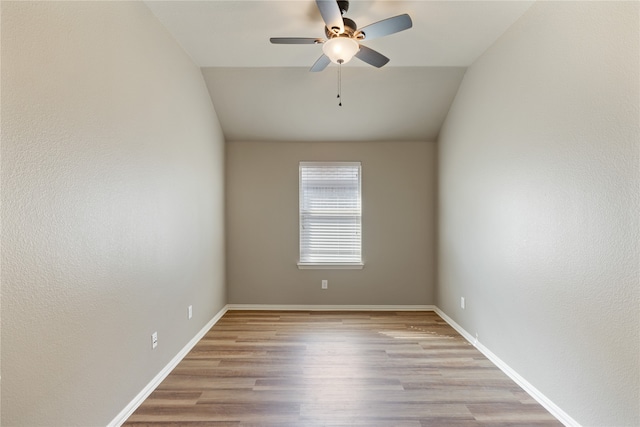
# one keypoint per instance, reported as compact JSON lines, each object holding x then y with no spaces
{"x":331,"y":266}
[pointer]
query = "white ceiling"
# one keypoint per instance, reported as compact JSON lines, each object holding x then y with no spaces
{"x":263,"y":91}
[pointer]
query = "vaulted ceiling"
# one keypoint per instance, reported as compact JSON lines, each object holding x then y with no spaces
{"x":263,"y":91}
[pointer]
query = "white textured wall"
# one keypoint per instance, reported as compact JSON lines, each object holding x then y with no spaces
{"x":398,"y":224}
{"x":112,"y":208}
{"x":539,"y":189}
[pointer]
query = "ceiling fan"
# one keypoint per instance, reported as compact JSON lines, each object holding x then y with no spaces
{"x":344,"y":36}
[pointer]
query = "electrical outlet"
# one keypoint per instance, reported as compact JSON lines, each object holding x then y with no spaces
{"x":190,"y":312}
{"x":154,"y":340}
{"x":462,"y":303}
{"x":325,"y":284}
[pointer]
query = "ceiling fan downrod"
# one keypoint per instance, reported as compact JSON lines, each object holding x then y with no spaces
{"x":343,"y":5}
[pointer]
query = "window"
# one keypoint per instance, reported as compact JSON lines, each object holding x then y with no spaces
{"x":330,"y":215}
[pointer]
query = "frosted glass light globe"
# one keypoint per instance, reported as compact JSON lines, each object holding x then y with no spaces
{"x":340,"y":50}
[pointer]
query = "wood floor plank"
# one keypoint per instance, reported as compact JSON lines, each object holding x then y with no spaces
{"x":327,"y":368}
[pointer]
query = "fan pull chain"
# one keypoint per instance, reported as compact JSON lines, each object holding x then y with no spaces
{"x":340,"y":82}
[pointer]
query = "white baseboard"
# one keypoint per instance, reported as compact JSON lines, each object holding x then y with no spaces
{"x":312,"y":307}
{"x":562,"y":416}
{"x":155,"y":382}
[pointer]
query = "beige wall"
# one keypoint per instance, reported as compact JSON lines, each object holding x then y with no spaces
{"x":112,"y":208}
{"x":398,"y":191}
{"x":539,"y":202}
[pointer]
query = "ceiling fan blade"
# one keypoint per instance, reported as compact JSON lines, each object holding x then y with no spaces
{"x":371,"y":57}
{"x":331,"y":15}
{"x":321,"y":63}
{"x":295,"y":40}
{"x":386,"y":27}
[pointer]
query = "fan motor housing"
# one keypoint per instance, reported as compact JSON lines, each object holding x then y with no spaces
{"x":350,"y":30}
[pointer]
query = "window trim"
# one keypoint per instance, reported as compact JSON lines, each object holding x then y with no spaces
{"x":330,"y":265}
{"x":334,"y":265}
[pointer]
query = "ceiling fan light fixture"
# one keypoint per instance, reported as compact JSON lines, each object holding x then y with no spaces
{"x":340,"y":50}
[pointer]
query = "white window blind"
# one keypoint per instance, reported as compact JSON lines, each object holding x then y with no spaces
{"x":330,"y":213}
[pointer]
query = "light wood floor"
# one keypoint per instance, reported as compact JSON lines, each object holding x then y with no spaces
{"x":286,"y":369}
